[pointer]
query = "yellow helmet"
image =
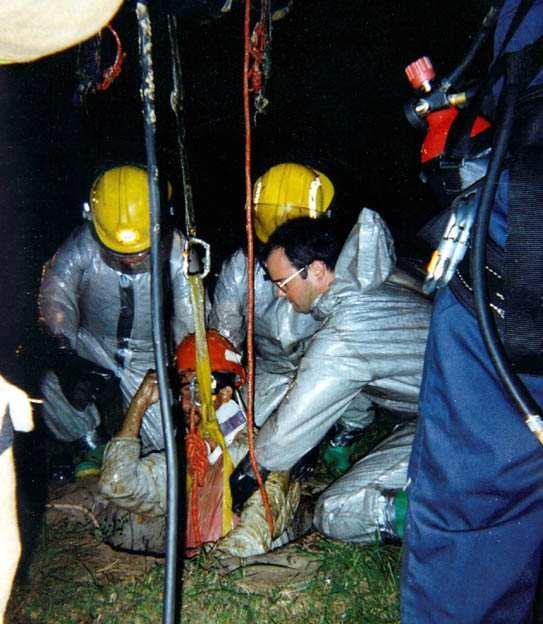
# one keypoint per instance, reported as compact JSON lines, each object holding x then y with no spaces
{"x":287,"y":191}
{"x":120,"y":209}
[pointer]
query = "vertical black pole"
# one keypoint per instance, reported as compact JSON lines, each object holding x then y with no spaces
{"x":148,"y":96}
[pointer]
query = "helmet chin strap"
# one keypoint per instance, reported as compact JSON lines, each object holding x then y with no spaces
{"x":313,"y":191}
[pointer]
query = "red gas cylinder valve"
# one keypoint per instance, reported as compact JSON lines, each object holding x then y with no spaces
{"x":420,"y":73}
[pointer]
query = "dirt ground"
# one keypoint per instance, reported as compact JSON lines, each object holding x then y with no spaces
{"x":69,"y":515}
{"x":71,"y":544}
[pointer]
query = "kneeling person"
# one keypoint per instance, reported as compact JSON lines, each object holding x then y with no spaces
{"x":370,"y":345}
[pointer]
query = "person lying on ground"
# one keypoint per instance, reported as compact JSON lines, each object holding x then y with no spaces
{"x":133,"y":487}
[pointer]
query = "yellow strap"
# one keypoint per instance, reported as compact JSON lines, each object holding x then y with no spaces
{"x":209,"y":427}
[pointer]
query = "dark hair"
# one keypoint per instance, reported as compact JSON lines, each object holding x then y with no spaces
{"x":224,"y":379}
{"x":305,"y":240}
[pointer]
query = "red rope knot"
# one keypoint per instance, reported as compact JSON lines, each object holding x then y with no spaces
{"x":196,"y":457}
{"x":111,"y":73}
{"x":258,"y":46}
{"x":198,"y":464}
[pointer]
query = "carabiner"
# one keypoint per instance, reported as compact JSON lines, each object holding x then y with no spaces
{"x":192,"y":262}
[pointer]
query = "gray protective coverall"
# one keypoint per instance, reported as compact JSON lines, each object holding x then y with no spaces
{"x":280,"y":332}
{"x":280,"y":337}
{"x":105,"y":315}
{"x":371,"y":341}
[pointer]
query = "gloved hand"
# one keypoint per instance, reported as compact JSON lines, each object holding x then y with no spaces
{"x":337,"y":459}
{"x":243,"y":482}
{"x":82,"y":381}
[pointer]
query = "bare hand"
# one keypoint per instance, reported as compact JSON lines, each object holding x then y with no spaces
{"x":148,"y":391}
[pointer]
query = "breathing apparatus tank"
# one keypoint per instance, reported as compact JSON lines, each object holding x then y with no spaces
{"x":510,"y":342}
{"x":456,"y":184}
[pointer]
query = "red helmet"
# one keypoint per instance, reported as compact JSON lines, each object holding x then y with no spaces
{"x":223,"y":357}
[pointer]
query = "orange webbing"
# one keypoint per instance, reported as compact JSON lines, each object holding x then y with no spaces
{"x":198,"y":464}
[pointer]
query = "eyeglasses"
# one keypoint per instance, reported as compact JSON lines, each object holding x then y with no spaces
{"x":282,"y":283}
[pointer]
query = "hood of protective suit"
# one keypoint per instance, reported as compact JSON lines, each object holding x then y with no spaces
{"x":280,"y":332}
{"x":366,"y":261}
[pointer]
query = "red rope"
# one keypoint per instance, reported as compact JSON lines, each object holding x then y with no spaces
{"x":197,"y":464}
{"x":111,"y":73}
{"x":258,"y":45}
{"x":250,"y":263}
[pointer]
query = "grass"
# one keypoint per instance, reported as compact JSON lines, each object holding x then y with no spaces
{"x":350,"y":584}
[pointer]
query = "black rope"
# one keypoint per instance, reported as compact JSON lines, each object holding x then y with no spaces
{"x":513,"y":384}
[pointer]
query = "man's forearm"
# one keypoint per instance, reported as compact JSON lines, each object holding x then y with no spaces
{"x":134,"y":416}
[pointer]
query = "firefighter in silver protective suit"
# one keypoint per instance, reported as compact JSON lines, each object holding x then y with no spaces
{"x":285,"y":191}
{"x":371,"y":342}
{"x":94,"y":302}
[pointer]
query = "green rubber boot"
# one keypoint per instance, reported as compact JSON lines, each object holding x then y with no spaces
{"x":400,"y":512}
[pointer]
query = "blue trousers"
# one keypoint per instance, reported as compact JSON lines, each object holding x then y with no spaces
{"x":473,"y":548}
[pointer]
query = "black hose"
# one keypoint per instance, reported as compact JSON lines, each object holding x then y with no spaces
{"x":147,"y":90}
{"x":480,"y":38}
{"x":514,"y":386}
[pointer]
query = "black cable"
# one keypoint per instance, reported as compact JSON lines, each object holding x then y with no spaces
{"x":514,"y":386}
{"x":147,"y":90}
{"x":486,"y":29}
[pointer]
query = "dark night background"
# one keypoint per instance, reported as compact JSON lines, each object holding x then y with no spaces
{"x":336,"y":94}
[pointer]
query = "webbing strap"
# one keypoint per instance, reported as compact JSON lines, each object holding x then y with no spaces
{"x":523,"y":273}
{"x":126,"y":317}
{"x":209,"y":427}
{"x":522,"y":11}
{"x":458,"y":138}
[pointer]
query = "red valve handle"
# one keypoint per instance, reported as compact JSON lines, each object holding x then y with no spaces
{"x":419,"y":72}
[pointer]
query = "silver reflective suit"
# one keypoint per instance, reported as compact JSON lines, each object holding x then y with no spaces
{"x":359,"y":507}
{"x":83,"y":298}
{"x":371,"y":343}
{"x":280,"y":337}
{"x":280,"y":333}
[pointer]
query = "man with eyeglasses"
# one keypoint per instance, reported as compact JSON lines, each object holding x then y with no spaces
{"x":370,"y":343}
{"x":285,"y":191}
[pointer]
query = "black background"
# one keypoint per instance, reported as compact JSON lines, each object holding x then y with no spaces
{"x":336,"y":93}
